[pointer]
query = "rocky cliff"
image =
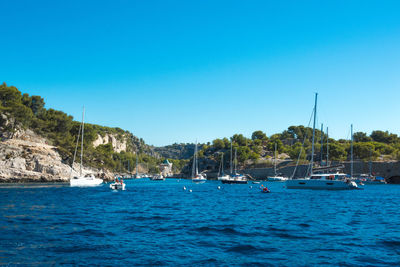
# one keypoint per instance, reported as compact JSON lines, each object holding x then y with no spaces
{"x":29,"y":158}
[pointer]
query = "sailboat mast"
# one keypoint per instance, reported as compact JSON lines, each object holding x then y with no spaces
{"x":137,"y":163}
{"x":231,"y":159}
{"x":351,"y":159}
{"x":370,"y":162}
{"x":235,"y":159}
{"x":322,"y":142}
{"x":222,"y":164}
{"x":275,"y":160}
{"x":197,"y":163}
{"x":327,"y":147}
{"x":313,"y":136}
{"x":83,"y":130}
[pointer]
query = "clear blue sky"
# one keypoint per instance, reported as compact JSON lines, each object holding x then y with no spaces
{"x":177,"y":71}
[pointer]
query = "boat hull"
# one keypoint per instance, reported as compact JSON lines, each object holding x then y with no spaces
{"x":320,"y":184}
{"x":117,"y":186}
{"x":276,"y":179}
{"x":233,"y":182}
{"x":83,"y":182}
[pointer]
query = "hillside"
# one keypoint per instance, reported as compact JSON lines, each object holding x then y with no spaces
{"x":106,"y":148}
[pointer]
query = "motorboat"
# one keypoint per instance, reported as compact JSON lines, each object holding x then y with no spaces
{"x":158,"y":177}
{"x":118,"y":184}
{"x":234,"y":179}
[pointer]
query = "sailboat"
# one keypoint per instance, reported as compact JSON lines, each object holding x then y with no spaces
{"x":88,"y":179}
{"x":234,"y":177}
{"x":196,"y":176}
{"x":276,"y":177}
{"x":323,"y":181}
{"x":221,"y":174}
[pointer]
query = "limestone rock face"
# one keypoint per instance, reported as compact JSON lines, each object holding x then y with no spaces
{"x":28,"y":158}
{"x":117,"y":145}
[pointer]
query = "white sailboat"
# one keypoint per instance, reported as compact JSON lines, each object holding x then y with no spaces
{"x":88,"y":179}
{"x":276,"y":177}
{"x":221,"y":174}
{"x":234,"y":177}
{"x":196,"y":176}
{"x":326,"y":181}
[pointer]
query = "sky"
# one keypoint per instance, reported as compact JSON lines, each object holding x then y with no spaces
{"x":180,"y":71}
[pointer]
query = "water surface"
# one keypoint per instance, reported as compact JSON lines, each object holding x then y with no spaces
{"x":159,"y":223}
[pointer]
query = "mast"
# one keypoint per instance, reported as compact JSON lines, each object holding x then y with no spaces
{"x":137,"y":164}
{"x":235,"y":159}
{"x":313,"y":136}
{"x":231,"y":159}
{"x":327,"y":148}
{"x":194,"y":168}
{"x":76,"y":148}
{"x":351,"y":159}
{"x":222,"y":164}
{"x":275,"y":160}
{"x":322,"y":143}
{"x":83,"y":130}
{"x":370,"y":162}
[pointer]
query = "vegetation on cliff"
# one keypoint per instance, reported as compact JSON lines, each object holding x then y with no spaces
{"x":24,"y":111}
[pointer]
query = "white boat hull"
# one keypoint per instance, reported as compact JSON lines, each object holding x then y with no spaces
{"x":276,"y":179}
{"x":320,"y":184}
{"x":85,"y":181}
{"x":117,"y":186}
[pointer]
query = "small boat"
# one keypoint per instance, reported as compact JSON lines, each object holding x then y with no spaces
{"x":265,"y":190}
{"x":158,"y":177}
{"x":196,"y":176}
{"x":88,"y":179}
{"x":256,"y":182}
{"x":118,"y":184}
{"x":234,"y":179}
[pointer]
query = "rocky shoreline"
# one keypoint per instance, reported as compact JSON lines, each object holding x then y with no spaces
{"x":28,"y":157}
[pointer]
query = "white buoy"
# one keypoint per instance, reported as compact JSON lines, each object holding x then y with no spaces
{"x":219,"y":187}
{"x":190,"y":190}
{"x":251,"y":186}
{"x":184,"y":188}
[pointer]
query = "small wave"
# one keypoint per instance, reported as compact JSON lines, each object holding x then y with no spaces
{"x":91,"y":232}
{"x":225,"y":231}
{"x":391,"y":243}
{"x":249,"y":249}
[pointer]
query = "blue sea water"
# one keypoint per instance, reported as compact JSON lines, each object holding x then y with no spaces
{"x":159,"y":223}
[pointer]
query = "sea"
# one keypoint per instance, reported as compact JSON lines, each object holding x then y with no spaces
{"x":159,"y":223}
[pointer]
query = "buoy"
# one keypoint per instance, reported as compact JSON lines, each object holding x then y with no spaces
{"x":190,"y":190}
{"x":251,"y":186}
{"x":184,"y":188}
{"x":219,"y":187}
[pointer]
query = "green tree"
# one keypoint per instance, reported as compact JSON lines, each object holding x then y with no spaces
{"x":259,"y":135}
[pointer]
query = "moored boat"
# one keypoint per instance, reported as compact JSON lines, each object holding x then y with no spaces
{"x":196,"y":176}
{"x":326,"y":181}
{"x":88,"y":179}
{"x":118,"y":184}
